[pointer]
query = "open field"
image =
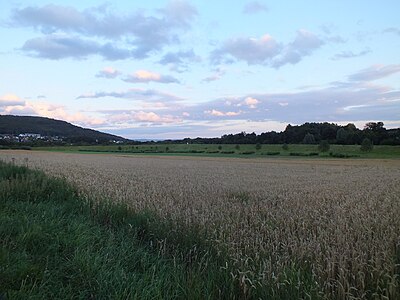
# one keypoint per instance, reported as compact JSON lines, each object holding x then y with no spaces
{"x":231,"y":150}
{"x":325,"y":228}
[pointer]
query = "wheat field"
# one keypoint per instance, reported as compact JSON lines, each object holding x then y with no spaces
{"x":338,"y":220}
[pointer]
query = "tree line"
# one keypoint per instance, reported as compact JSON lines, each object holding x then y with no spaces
{"x":309,"y":133}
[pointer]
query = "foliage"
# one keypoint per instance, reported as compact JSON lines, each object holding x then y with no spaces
{"x":366,"y":145}
{"x":324,"y":146}
{"x":285,"y":147}
{"x":258,"y":146}
{"x":309,"y":139}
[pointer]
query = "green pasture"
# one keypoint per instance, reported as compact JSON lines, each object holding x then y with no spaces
{"x":232,"y":150}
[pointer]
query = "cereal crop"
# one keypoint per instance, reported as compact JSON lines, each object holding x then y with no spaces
{"x":333,"y":225}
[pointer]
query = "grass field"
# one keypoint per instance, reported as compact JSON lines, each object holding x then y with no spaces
{"x":230,"y":150}
{"x":284,"y":229}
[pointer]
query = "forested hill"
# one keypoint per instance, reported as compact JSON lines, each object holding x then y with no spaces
{"x":49,"y":127}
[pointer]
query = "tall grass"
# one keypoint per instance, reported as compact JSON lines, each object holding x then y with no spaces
{"x":58,"y":245}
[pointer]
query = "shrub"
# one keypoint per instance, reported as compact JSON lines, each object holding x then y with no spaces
{"x":285,"y":146}
{"x":341,"y":155}
{"x":324,"y":146}
{"x":366,"y":145}
{"x":258,"y":146}
{"x":271,"y":153}
{"x":247,"y":152}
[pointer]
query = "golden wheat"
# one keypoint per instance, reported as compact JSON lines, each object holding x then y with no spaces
{"x":341,"y":218}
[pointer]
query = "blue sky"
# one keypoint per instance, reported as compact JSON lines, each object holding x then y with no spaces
{"x":174,"y":69}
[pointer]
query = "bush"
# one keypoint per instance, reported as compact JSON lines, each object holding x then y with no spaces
{"x":297,"y":154}
{"x":341,"y":155}
{"x":303,"y":154}
{"x":366,"y":145}
{"x":285,"y":147}
{"x":324,"y":146}
{"x":270,"y":153}
{"x":227,"y":152}
{"x":258,"y":146}
{"x":247,"y":152}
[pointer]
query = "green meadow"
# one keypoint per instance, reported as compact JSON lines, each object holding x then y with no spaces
{"x":232,"y":150}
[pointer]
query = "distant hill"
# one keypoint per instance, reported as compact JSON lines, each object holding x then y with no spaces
{"x":50,"y":127}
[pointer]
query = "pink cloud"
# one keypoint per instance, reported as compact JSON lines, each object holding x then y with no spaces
{"x":251,"y":102}
{"x":153,"y":117}
{"x":144,"y":76}
{"x":10,"y":99}
{"x":14,"y":105}
{"x":143,"y":117}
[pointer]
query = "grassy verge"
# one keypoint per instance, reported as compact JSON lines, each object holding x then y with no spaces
{"x":55,"y":244}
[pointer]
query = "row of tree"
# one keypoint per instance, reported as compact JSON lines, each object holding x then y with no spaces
{"x":310,"y":133}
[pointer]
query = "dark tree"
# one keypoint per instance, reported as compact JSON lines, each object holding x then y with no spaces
{"x":341,"y":136}
{"x":309,"y":139}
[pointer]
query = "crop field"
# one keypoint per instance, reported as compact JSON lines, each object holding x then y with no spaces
{"x":328,"y":229}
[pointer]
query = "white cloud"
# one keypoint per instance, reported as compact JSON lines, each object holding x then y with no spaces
{"x":217,"y":113}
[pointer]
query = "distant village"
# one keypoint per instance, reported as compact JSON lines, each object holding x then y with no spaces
{"x":24,"y":138}
{"x":30,"y":137}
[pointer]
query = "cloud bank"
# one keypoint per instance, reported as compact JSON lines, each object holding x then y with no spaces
{"x":146,"y":33}
{"x":266,"y":50}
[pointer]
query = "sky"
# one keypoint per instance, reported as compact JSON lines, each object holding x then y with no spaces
{"x":174,"y":69}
